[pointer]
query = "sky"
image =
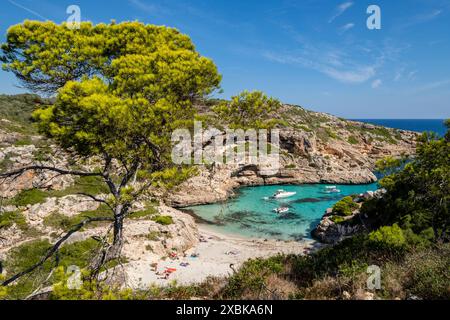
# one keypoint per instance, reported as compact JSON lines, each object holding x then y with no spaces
{"x":319,"y":54}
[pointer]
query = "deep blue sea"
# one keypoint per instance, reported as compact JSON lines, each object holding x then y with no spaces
{"x":419,"y":125}
{"x":250,"y":215}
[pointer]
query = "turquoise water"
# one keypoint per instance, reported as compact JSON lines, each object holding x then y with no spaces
{"x":249,"y":215}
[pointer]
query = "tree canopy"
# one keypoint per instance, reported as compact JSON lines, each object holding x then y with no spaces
{"x":249,"y":110}
{"x":130,"y":80}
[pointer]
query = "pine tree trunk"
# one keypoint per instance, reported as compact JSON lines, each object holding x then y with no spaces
{"x":114,"y":250}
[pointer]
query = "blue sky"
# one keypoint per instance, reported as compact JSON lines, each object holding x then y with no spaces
{"x":317,"y":54}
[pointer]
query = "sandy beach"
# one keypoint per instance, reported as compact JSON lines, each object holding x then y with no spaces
{"x":211,"y":257}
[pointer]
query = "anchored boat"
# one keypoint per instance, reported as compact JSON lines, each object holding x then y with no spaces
{"x":281,"y":210}
{"x":332,"y":189}
{"x":283,"y":194}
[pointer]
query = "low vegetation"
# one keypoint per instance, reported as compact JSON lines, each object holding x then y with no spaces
{"x":345,"y":206}
{"x":163,"y":220}
{"x":62,"y":222}
{"x":88,"y":185}
{"x":27,"y":254}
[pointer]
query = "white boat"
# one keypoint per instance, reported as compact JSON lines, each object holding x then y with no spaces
{"x":281,"y":210}
{"x":332,"y":189}
{"x":283,"y":194}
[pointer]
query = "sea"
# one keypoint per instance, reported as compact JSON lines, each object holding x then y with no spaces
{"x":251,"y":215}
{"x":419,"y":125}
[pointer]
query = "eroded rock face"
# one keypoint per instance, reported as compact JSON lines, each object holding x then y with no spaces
{"x":69,"y":206}
{"x":21,"y":156}
{"x":146,"y":237}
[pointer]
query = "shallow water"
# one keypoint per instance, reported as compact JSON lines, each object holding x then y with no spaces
{"x":250,"y":215}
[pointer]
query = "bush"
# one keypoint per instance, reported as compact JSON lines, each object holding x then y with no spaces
{"x":90,"y":184}
{"x":337,"y":219}
{"x":60,"y":221}
{"x":7,"y":219}
{"x":389,"y":237}
{"x":427,"y":273}
{"x":143,"y":214}
{"x":164,"y":220}
{"x":345,"y":206}
{"x":29,"y":253}
{"x":251,"y":277}
{"x":30,"y":196}
{"x":352,"y":140}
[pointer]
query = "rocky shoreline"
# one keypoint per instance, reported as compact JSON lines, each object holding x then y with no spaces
{"x":331,"y":231}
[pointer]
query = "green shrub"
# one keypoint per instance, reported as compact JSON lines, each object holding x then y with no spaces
{"x":153,"y":236}
{"x":7,"y":219}
{"x":29,"y":253}
{"x":90,"y":184}
{"x":143,"y":214}
{"x":383,"y":134}
{"x":345,"y":206}
{"x":331,"y":133}
{"x":24,"y":141}
{"x":164,"y":220}
{"x":251,"y":276}
{"x":427,"y":273}
{"x":352,"y":140}
{"x":337,"y":219}
{"x":388,"y":237}
{"x":60,"y":221}
{"x":30,"y":196}
{"x":6,"y":163}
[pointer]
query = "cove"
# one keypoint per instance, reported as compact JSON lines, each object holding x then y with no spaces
{"x":249,"y":215}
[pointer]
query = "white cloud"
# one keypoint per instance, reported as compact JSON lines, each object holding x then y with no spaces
{"x":340,"y":10}
{"x":346,"y":27}
{"x":434,"y":85}
{"x":347,"y":73}
{"x":421,"y":18}
{"x":376,"y":83}
{"x":147,"y":7}
{"x":353,"y":61}
{"x":403,"y":74}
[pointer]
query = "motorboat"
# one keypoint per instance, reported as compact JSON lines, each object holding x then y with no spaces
{"x":332,"y":189}
{"x":283,"y":194}
{"x":281,"y":210}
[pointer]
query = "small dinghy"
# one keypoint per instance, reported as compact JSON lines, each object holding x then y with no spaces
{"x":281,"y":210}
